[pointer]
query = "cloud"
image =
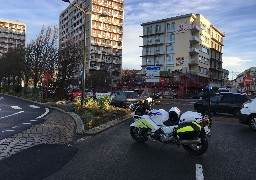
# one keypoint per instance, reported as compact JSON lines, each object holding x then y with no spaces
{"x":235,"y":64}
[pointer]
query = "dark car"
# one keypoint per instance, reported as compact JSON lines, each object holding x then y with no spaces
{"x":124,"y":98}
{"x":202,"y":95}
{"x":225,"y":102}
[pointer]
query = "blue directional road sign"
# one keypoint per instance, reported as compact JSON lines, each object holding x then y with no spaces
{"x":152,"y":74}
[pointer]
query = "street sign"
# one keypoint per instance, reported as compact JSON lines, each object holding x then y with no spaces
{"x":47,"y":76}
{"x":248,"y":80}
{"x":152,"y":74}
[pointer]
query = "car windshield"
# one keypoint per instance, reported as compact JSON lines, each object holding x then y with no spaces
{"x":131,"y":94}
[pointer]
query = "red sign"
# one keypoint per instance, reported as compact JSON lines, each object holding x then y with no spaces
{"x":47,"y":76}
{"x":248,"y":80}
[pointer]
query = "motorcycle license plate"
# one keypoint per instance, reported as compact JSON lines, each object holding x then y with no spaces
{"x":207,"y":130}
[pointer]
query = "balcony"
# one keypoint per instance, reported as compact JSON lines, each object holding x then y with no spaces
{"x":193,"y":50}
{"x":194,"y":28}
{"x":193,"y":62}
{"x":194,"y":39}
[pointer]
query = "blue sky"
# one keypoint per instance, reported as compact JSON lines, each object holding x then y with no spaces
{"x":236,"y":18}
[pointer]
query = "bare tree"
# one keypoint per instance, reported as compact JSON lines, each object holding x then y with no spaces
{"x":42,"y":54}
{"x":68,"y":66}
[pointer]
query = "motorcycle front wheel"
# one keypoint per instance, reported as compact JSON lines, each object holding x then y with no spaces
{"x":197,"y":149}
{"x":138,"y":134}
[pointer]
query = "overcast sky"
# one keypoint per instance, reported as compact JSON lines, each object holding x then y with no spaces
{"x":236,"y":18}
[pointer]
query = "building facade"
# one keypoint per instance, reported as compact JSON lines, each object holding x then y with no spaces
{"x":12,"y":35}
{"x":186,"y":44}
{"x":239,"y":82}
{"x":100,"y":32}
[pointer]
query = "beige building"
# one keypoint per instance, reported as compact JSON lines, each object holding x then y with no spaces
{"x":187,"y":43}
{"x":103,"y":30}
{"x":12,"y":34}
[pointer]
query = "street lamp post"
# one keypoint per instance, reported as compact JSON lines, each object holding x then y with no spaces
{"x":84,"y":48}
{"x":84,"y":45}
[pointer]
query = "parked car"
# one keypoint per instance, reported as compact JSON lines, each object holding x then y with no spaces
{"x":102,"y":93}
{"x":77,"y":92}
{"x":73,"y":93}
{"x":89,"y":93}
{"x":224,"y":102}
{"x":124,"y":98}
{"x":202,"y":95}
{"x":167,"y":94}
{"x":248,"y":114}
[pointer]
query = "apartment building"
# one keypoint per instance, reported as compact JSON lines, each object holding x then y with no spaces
{"x":100,"y":31}
{"x":186,"y":43}
{"x":12,"y":34}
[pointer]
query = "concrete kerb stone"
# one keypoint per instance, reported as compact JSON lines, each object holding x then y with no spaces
{"x":78,"y":121}
{"x":102,"y":127}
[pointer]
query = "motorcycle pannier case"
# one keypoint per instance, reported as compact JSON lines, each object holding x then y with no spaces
{"x":189,"y":130}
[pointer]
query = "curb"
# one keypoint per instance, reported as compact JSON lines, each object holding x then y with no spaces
{"x":107,"y":125}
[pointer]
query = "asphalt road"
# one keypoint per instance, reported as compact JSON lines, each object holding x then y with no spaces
{"x":113,"y":154}
{"x":17,"y":115}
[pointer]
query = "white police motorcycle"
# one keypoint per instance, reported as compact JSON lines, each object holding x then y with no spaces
{"x":191,"y":131}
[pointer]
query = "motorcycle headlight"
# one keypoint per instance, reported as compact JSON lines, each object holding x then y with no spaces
{"x":131,"y":106}
{"x":149,"y":99}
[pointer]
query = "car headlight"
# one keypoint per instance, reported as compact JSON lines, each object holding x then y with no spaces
{"x":245,"y":105}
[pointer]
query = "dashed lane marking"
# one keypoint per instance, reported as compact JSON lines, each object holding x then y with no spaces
{"x":199,"y":172}
{"x":34,"y":106}
{"x":26,"y":123}
{"x":16,"y":107}
{"x":46,"y":112}
{"x":8,"y":130}
{"x":33,"y":120}
{"x":12,"y":114}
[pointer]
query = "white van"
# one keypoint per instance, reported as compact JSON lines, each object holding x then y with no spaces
{"x":248,"y":114}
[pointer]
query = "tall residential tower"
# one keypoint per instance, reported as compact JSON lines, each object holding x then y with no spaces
{"x":12,"y":35}
{"x":100,"y":31}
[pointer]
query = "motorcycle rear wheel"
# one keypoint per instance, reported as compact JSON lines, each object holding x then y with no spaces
{"x":197,"y":149}
{"x":138,"y":134}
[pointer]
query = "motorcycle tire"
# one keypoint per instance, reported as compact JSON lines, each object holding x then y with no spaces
{"x":197,"y":149}
{"x":138,"y":134}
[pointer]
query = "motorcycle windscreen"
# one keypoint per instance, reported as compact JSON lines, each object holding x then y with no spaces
{"x":190,"y":130}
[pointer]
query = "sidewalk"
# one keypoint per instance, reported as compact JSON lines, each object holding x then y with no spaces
{"x":58,"y":128}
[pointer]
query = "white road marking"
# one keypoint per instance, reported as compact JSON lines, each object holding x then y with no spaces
{"x":1,"y":98}
{"x":16,"y":107}
{"x":12,"y":114}
{"x":199,"y":172}
{"x":14,"y":127}
{"x":9,"y":130}
{"x":34,"y":106}
{"x":46,"y":112}
{"x":33,"y":120}
{"x":26,"y":123}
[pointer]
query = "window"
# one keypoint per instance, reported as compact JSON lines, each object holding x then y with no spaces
{"x":169,"y":49}
{"x":149,"y":30}
{"x":157,"y":38}
{"x":170,"y":59}
{"x":173,"y":26}
{"x":170,"y":38}
{"x":158,"y":29}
